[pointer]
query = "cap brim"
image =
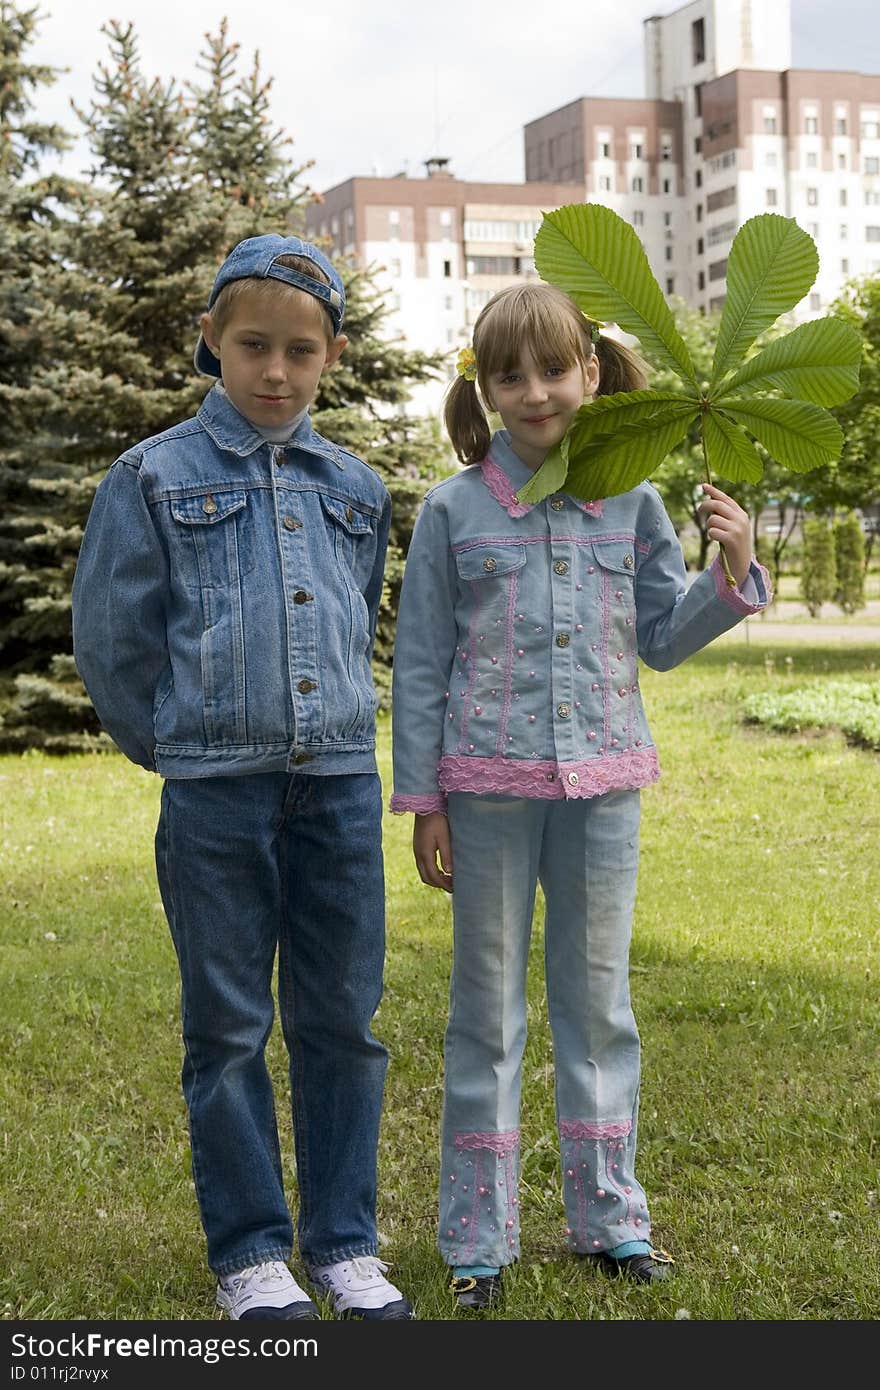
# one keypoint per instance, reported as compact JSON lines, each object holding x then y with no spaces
{"x":204,"y":360}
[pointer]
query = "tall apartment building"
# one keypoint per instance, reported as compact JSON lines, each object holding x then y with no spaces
{"x":441,"y":248}
{"x":727,"y":130}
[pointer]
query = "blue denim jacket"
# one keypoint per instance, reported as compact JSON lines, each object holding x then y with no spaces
{"x":225,"y":600}
{"x":520,"y":631}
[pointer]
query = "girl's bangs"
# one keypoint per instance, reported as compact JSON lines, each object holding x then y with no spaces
{"x":549,"y":330}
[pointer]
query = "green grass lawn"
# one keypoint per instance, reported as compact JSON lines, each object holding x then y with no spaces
{"x":755,"y":967}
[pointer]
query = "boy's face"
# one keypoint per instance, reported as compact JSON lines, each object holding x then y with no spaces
{"x":272,"y":351}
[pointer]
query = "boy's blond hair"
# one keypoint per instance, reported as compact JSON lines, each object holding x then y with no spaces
{"x":222,"y":308}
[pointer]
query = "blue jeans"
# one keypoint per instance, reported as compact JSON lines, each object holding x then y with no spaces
{"x":584,"y":853}
{"x":249,"y":866}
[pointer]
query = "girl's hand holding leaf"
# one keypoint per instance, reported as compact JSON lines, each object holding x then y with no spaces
{"x":727,"y":523}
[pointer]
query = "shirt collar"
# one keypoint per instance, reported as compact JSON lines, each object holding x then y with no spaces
{"x":232,"y":431}
{"x":504,"y":472}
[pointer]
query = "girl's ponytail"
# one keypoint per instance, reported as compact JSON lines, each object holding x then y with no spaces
{"x":620,"y":369}
{"x":466,"y":422}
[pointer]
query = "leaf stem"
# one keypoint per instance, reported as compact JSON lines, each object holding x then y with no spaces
{"x":728,"y":577}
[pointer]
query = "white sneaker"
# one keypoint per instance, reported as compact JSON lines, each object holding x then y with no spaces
{"x":265,"y":1291}
{"x":358,"y":1289}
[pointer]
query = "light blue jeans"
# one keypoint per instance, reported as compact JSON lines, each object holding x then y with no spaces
{"x":584,"y":853}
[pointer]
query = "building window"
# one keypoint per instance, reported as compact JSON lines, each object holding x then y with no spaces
{"x":811,"y":125}
{"x":770,"y":159}
{"x":448,"y":301}
{"x":812,"y":197}
{"x":844,"y":266}
{"x":701,"y":280}
{"x":699,"y":212}
{"x":395,"y":267}
{"x":666,"y":147}
{"x":815,"y":302}
{"x":604,"y":149}
{"x":667,"y":219}
{"x":872,"y":197}
{"x":698,"y":144}
{"x":637,"y":149}
{"x":668,"y":250}
{"x":843,"y":197}
{"x":492,"y":265}
{"x":812,"y":159}
{"x":844,"y":231}
{"x":670,"y":284}
{"x":870,"y":127}
{"x":698,"y":41}
{"x":638,"y":219}
{"x":638,"y":185}
{"x":698,"y":179}
{"x":872,"y":164}
{"x":813,"y":229}
{"x":604,"y":183}
{"x":667,"y":185}
{"x":699,"y":246}
{"x":841,"y":161}
{"x":770,"y":197}
{"x":872,"y":234}
{"x":840,"y":125}
{"x":447,"y":270}
{"x":718,"y":269}
{"x":769,"y":125}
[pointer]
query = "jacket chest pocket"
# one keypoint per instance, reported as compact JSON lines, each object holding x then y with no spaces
{"x":211,"y":534}
{"x":350,"y":533}
{"x":493,"y":565}
{"x":616,"y":561}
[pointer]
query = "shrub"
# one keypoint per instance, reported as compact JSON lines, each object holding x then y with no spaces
{"x":849,"y":550}
{"x":818,"y":572}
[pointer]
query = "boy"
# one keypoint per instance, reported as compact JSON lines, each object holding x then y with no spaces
{"x":224,"y":611}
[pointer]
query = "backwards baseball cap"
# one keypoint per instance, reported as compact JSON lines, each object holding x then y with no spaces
{"x":256,"y":258}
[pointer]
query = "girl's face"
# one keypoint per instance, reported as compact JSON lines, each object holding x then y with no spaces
{"x":537,"y":401}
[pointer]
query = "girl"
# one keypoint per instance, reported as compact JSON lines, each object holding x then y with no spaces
{"x":520,"y":743}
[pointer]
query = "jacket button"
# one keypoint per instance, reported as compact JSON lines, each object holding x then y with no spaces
{"x":551,"y":776}
{"x":563,"y":711}
{"x":349,"y":514}
{"x":562,"y":639}
{"x":302,"y":597}
{"x":557,"y":504}
{"x":290,"y":523}
{"x":209,"y":505}
{"x":490,"y":564}
{"x":561,"y":567}
{"x":628,"y":561}
{"x":622,"y":691}
{"x":302,"y":758}
{"x":304,"y":686}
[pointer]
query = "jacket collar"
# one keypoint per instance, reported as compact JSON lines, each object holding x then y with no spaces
{"x":230,"y":430}
{"x":504,"y":472}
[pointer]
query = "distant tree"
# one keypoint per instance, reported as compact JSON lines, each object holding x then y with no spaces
{"x":849,"y":556}
{"x":853,"y":483}
{"x":818,"y":571}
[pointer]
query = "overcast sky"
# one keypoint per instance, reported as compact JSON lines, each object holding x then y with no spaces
{"x":377,"y":86}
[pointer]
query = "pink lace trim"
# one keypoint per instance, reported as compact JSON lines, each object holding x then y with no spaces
{"x":584,"y":1129}
{"x":733,"y":597}
{"x":626,"y":771}
{"x":501,"y":488}
{"x":421,"y":805}
{"x":500,"y":1144}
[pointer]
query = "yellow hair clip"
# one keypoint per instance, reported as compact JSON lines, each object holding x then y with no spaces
{"x":466,"y":364}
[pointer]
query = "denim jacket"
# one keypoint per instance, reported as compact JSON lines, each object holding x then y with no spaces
{"x":225,"y":600}
{"x":520,"y":631}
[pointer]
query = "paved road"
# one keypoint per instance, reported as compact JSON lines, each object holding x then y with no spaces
{"x":790,"y":622}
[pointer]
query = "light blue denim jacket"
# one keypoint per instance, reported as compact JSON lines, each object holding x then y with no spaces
{"x":225,"y":600}
{"x":520,"y":631}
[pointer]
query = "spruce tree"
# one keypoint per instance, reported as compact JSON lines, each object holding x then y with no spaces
{"x":178,"y":177}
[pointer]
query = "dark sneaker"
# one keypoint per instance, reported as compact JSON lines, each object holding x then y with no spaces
{"x":264,"y":1291}
{"x":476,"y":1291}
{"x":644,"y":1269}
{"x":358,"y":1289}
